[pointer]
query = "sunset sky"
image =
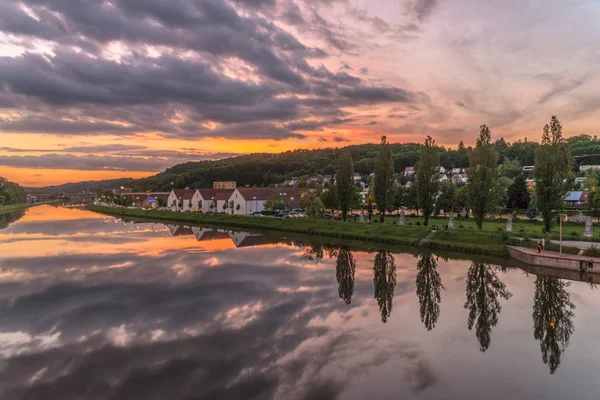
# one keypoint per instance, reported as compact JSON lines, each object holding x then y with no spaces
{"x":99,"y":89}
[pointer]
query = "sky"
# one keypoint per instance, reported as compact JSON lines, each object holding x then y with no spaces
{"x":100,"y":89}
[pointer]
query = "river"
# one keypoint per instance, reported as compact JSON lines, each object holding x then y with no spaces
{"x":92,"y":307}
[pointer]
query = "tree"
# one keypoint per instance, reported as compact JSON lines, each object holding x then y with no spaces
{"x":274,"y":203}
{"x":427,"y":180}
{"x":370,"y":203}
{"x":180,"y":204}
{"x":445,"y":199}
{"x":311,"y":204}
{"x":224,"y":206}
{"x":429,"y":286}
{"x":344,"y":182}
{"x":591,"y":179}
{"x":345,"y":268}
{"x":410,"y":198}
{"x":484,"y":291}
{"x":384,"y":178}
{"x":552,"y":318}
{"x":517,"y":194}
{"x":161,"y":202}
{"x":398,"y":199}
{"x":237,"y":207}
{"x":595,"y":203}
{"x":552,"y":171}
{"x":531,"y":210}
{"x":384,"y":281}
{"x":482,"y":175}
{"x":461,"y":198}
{"x":329,"y":198}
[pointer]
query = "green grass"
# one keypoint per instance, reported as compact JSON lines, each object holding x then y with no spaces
{"x":458,"y":240}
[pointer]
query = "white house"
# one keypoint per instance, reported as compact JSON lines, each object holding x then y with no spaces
{"x":189,"y":197}
{"x":251,"y":200}
{"x":457,"y":170}
{"x":583,"y":168}
{"x":217,"y":197}
{"x":460,"y":179}
{"x":408,"y":171}
{"x":356,"y":177}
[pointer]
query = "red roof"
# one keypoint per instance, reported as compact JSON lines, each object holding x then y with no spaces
{"x":291,"y":196}
{"x":184,"y":194}
{"x":216,"y":194}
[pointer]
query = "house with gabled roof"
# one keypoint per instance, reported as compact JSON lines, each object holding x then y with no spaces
{"x":252,"y":200}
{"x":187,"y":197}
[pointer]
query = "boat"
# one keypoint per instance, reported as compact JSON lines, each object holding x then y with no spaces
{"x":552,"y":259}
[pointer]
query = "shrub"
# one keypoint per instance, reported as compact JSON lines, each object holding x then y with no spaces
{"x":574,"y":234}
{"x":418,"y":223}
{"x":410,"y":223}
{"x":461,"y":226}
{"x":592,"y":251}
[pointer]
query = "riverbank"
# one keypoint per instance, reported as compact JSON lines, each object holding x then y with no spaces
{"x":16,"y":207}
{"x":458,"y":240}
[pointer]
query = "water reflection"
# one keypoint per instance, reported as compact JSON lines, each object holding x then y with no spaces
{"x":8,"y":218}
{"x":484,"y":291}
{"x":94,"y":308}
{"x":429,"y":287}
{"x":552,"y":318}
{"x":384,"y":280}
{"x":345,"y":268}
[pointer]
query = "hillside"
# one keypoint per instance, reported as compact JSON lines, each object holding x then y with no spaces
{"x":269,"y":168}
{"x":85,"y":186}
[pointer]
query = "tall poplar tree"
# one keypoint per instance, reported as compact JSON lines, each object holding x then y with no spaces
{"x":384,"y":178}
{"x":344,"y":182}
{"x":427,"y":179}
{"x":482,"y":175}
{"x":552,"y":171}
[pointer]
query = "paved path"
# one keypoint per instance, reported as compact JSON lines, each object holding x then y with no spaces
{"x":573,"y":243}
{"x":426,"y":238}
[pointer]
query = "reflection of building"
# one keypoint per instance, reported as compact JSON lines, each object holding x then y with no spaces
{"x":209,"y":234}
{"x":247,"y":239}
{"x":239,"y":239}
{"x":178,"y":230}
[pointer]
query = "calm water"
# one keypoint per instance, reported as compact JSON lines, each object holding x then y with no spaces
{"x":94,"y":308}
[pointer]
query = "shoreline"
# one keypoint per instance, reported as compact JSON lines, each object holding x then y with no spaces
{"x":455,"y":241}
{"x":18,"y":207}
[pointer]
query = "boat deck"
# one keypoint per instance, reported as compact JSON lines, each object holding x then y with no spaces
{"x":553,"y":259}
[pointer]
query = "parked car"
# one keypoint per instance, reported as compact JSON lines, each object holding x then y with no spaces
{"x":280,"y":215}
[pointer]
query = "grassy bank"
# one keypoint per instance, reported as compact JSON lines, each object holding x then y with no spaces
{"x":15,"y":207}
{"x":458,"y":240}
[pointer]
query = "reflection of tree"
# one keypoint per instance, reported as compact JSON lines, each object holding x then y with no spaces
{"x":8,"y":218}
{"x":316,"y":252}
{"x":384,"y":279}
{"x":552,"y":318}
{"x":429,"y":286}
{"x":484,"y":290}
{"x":344,"y":272}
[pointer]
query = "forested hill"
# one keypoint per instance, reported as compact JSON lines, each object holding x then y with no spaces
{"x":11,"y":193}
{"x":86,"y":186}
{"x":267,"y":168}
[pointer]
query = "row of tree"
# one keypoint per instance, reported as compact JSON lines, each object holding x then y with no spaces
{"x":11,"y":193}
{"x":552,"y":307}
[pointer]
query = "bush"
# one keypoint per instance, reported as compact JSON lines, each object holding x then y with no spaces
{"x":418,"y":223}
{"x":499,"y":229}
{"x":574,"y":234}
{"x":592,"y":251}
{"x":410,"y":223}
{"x":461,"y":226}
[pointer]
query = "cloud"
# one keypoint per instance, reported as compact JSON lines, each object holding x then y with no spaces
{"x":152,"y":161}
{"x":421,"y":9}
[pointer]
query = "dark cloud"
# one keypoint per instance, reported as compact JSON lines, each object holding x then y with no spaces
{"x":340,"y":139}
{"x":364,"y":70}
{"x":461,"y":104}
{"x":277,"y":89}
{"x":153,"y":161}
{"x":421,"y":9}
